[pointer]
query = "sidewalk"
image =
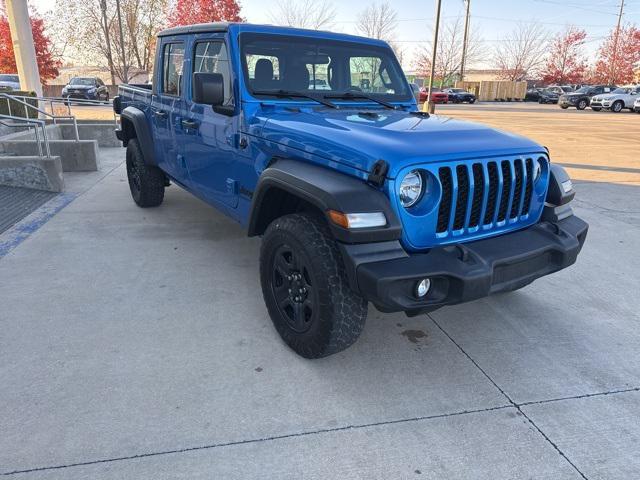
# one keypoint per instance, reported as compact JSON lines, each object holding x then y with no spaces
{"x":135,"y":344}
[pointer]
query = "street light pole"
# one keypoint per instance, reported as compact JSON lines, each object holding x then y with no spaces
{"x":125,"y":68}
{"x":612,"y":73}
{"x":465,"y":40}
{"x":429,"y":106}
{"x":23,"y":48}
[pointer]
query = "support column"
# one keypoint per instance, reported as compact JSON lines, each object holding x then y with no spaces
{"x":23,"y":48}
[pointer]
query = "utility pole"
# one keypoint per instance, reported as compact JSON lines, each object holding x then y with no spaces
{"x":429,"y":106}
{"x":23,"y":48}
{"x":614,"y":59}
{"x":465,"y":40}
{"x":125,"y":68}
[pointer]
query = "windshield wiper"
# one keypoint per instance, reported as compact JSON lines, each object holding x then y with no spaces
{"x":356,"y":95}
{"x":288,"y":94}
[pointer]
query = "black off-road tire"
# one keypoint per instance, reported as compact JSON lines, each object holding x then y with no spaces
{"x":305,"y":287}
{"x":145,"y":181}
{"x":582,"y":104}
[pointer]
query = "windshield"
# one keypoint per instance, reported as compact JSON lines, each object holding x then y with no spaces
{"x":9,"y":78}
{"x":621,"y":90}
{"x":583,"y":90}
{"x":320,"y":67}
{"x":82,"y":81}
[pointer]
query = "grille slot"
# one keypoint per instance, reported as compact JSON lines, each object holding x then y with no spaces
{"x":528,"y":187}
{"x":494,"y":183}
{"x":482,"y":194}
{"x":478,"y":195}
{"x":463,"y":197}
{"x":517,"y":192}
{"x":445,"y":203}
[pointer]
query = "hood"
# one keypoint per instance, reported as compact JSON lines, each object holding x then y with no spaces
{"x":575,"y":95}
{"x":360,"y":137}
{"x":79,"y":87}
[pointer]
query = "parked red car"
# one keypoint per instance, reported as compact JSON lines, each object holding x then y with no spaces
{"x":438,"y":95}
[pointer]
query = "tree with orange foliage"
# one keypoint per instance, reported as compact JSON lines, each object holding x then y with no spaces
{"x":47,"y":64}
{"x":619,"y":54}
{"x":566,"y":62}
{"x":188,"y":12}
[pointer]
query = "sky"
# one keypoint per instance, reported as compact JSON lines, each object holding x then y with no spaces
{"x":491,"y":18}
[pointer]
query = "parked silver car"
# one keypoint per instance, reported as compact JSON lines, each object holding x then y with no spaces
{"x":9,"y":81}
{"x":636,"y":105}
{"x":620,"y":98}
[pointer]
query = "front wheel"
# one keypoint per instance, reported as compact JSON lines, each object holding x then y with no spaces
{"x":564,"y":107}
{"x":617,"y":106}
{"x":582,"y":104}
{"x":305,"y":287}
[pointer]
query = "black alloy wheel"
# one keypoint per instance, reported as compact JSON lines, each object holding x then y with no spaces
{"x":293,"y":289}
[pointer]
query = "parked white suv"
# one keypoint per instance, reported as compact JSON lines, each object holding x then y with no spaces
{"x":615,"y":101}
{"x":636,"y":105}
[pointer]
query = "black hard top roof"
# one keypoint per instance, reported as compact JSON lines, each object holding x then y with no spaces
{"x":197,"y":28}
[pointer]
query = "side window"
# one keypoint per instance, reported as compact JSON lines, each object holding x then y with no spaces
{"x":211,"y":57}
{"x":172,"y":61}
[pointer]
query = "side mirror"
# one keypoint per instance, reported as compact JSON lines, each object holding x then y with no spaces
{"x":208,"y":88}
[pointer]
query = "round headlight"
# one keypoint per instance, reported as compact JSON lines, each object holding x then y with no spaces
{"x":411,"y":188}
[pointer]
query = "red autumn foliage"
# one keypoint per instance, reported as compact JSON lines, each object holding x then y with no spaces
{"x":566,"y":63}
{"x":616,"y":65}
{"x":47,"y":64}
{"x":188,"y":12}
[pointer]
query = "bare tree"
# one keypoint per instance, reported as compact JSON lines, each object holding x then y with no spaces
{"x":379,"y":21}
{"x":449,"y":54}
{"x":313,"y":14}
{"x":520,"y":54}
{"x":92,"y":30}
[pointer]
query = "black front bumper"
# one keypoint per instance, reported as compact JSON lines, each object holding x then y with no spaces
{"x":386,"y":275}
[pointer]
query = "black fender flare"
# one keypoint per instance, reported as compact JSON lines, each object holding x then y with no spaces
{"x":135,"y":125}
{"x":324,"y":189}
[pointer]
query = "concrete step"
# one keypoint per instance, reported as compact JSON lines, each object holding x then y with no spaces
{"x":81,"y":156}
{"x":32,"y":172}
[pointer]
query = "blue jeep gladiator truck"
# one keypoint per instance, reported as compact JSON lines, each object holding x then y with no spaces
{"x":313,"y":141}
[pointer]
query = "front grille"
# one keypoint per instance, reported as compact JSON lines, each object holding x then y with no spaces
{"x":485,"y":194}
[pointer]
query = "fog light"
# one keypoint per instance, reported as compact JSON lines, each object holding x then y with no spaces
{"x":422,"y":288}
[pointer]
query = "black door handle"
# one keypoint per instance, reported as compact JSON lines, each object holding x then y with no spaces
{"x":160,"y":114}
{"x":189,"y":124}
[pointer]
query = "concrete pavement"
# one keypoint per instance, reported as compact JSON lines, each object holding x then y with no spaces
{"x":135,"y":344}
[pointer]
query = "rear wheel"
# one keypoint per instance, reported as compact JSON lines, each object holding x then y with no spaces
{"x":564,"y":107}
{"x":617,"y":106}
{"x":146,"y":182}
{"x":596,"y":109}
{"x":305,"y":287}
{"x":582,"y":104}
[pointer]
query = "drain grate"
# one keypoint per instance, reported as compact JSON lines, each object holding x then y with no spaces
{"x":16,"y":203}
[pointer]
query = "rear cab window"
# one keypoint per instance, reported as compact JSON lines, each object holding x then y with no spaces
{"x":172,"y":65}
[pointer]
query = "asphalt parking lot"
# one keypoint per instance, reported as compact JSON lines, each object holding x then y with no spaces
{"x":135,"y":344}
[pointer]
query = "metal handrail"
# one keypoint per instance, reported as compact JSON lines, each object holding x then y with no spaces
{"x":68,"y":101}
{"x":27,"y":106}
{"x":30,"y":123}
